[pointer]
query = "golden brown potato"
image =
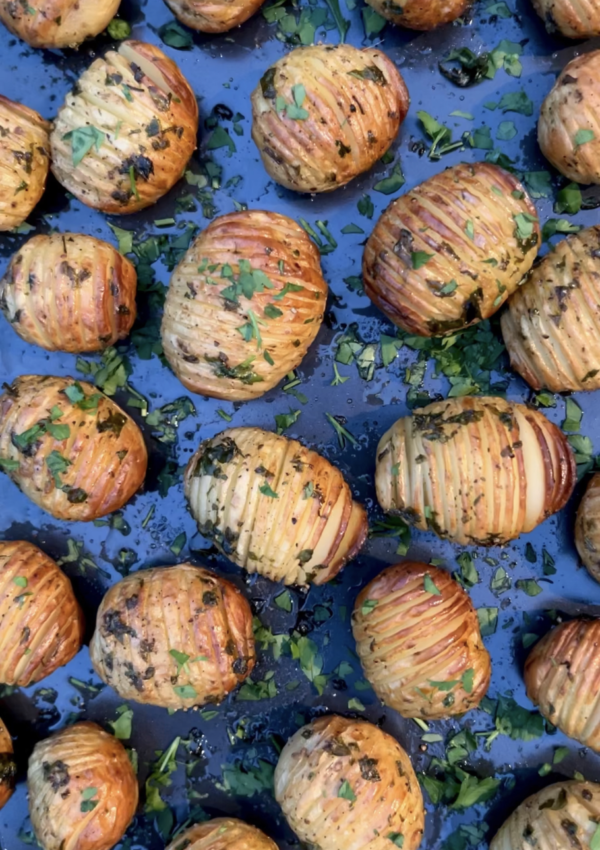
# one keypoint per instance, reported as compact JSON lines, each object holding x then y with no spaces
{"x":69,"y":292}
{"x":551,"y":325}
{"x":562,"y":815}
{"x":346,"y":784}
{"x":274,"y":507}
{"x":243,"y":305}
{"x":448,"y":253}
{"x":222,"y":834}
{"x":24,"y":161}
{"x":569,"y":123}
{"x":418,"y":640}
{"x":41,"y":623}
{"x":69,"y":448}
{"x":324,"y":114}
{"x":8,"y":767}
{"x":126,"y":130}
{"x":579,"y":19}
{"x":57,"y":23}
{"x":420,"y":14}
{"x":83,"y":792}
{"x":173,"y":636}
{"x":587,"y":528}
{"x":213,"y":15}
{"x":474,"y":470}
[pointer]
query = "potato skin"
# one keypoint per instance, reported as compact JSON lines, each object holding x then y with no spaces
{"x":105,"y":454}
{"x":434,"y":219}
{"x":304,"y":534}
{"x":546,"y":820}
{"x":41,"y":623}
{"x":182,"y":609}
{"x":201,"y":328}
{"x":587,"y":528}
{"x":213,"y":15}
{"x":62,"y":770}
{"x":24,"y":161}
{"x":412,"y":637}
{"x":222,"y":834}
{"x":476,"y":445}
{"x":420,"y":14}
{"x":148,"y":130}
{"x":57,"y":23}
{"x":573,"y":106}
{"x":8,"y":767}
{"x":69,"y":292}
{"x":573,"y":20}
{"x":331,"y":751}
{"x":356,"y":101}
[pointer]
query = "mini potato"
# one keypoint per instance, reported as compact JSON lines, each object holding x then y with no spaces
{"x":448,"y":253}
{"x":562,"y":815}
{"x":324,"y":114}
{"x":273,"y":506}
{"x":587,"y":528}
{"x":69,"y":292}
{"x":420,"y":14}
{"x":8,"y":767}
{"x":222,"y":834}
{"x":126,"y":130}
{"x":57,"y":23}
{"x":24,"y":161}
{"x":561,"y":679}
{"x":69,"y":448}
{"x":551,"y":325}
{"x":569,"y":123}
{"x":418,"y":640}
{"x":83,"y":792}
{"x":346,"y":784}
{"x":213,"y":15}
{"x":174,"y":637}
{"x":573,"y":20}
{"x":243,"y":305}
{"x":41,"y":623}
{"x":477,"y":471}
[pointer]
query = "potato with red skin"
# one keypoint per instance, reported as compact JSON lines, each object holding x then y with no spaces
{"x":213,"y":15}
{"x":8,"y":767}
{"x":222,"y":834}
{"x":420,"y":14}
{"x":55,"y":24}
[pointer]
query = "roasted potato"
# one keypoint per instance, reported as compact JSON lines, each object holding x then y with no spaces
{"x":213,"y":15}
{"x":587,"y":528}
{"x":41,"y":623}
{"x":126,"y":130}
{"x":173,"y":636}
{"x":24,"y":161}
{"x":448,"y":253}
{"x":569,"y":125}
{"x":477,"y":471}
{"x":273,"y":506}
{"x":418,"y":640}
{"x":346,"y":784}
{"x":420,"y":14}
{"x":8,"y":767}
{"x":57,"y":23}
{"x":562,"y":815}
{"x":561,"y":679}
{"x":69,"y":448}
{"x":83,"y":791}
{"x":573,"y":20}
{"x":222,"y":834}
{"x":324,"y":114}
{"x":69,"y":292}
{"x":243,"y":305}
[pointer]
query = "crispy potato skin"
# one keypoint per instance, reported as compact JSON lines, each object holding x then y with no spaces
{"x":24,"y":161}
{"x":41,"y":623}
{"x":148,"y":135}
{"x":201,"y":328}
{"x":434,"y":218}
{"x":546,"y":819}
{"x":356,"y":101}
{"x":459,"y":468}
{"x":420,"y":14}
{"x":8,"y":767}
{"x":550,"y":326}
{"x":61,"y":770}
{"x":69,"y":292}
{"x":412,"y":637}
{"x":587,"y":528}
{"x":57,"y":23}
{"x":563,"y":679}
{"x":332,"y":750}
{"x":304,"y":534}
{"x":213,"y":15}
{"x":185,"y":609}
{"x":222,"y":834}
{"x":572,"y":106}
{"x":105,"y":450}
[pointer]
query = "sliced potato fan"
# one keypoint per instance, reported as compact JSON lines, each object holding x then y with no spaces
{"x":417,"y":15}
{"x":213,"y":15}
{"x":572,"y":18}
{"x":8,"y":766}
{"x":587,"y":528}
{"x":57,"y":23}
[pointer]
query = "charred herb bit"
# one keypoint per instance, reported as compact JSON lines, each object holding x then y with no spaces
{"x":472,"y":69}
{"x":243,"y":372}
{"x":75,"y":495}
{"x":267,"y":84}
{"x":115,"y":422}
{"x":8,"y":769}
{"x":342,"y":151}
{"x":371,"y":73}
{"x":113,"y":625}
{"x":56,"y":773}
{"x":368,"y":769}
{"x":556,"y":803}
{"x":524,"y":231}
{"x":214,"y":455}
{"x":209,"y":598}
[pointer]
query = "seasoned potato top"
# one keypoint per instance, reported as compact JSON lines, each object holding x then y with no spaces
{"x":8,"y":766}
{"x":213,"y":15}
{"x":222,"y":834}
{"x":57,"y":23}
{"x":572,"y":18}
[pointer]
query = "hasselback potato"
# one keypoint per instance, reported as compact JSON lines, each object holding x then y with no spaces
{"x":243,"y":305}
{"x":41,"y":623}
{"x":8,"y":767}
{"x":83,"y":792}
{"x":418,"y":640}
{"x":346,"y":784}
{"x":57,"y":23}
{"x":420,"y":14}
{"x":213,"y":15}
{"x":24,"y":161}
{"x":173,"y":636}
{"x":69,"y":292}
{"x":474,"y":470}
{"x":273,"y":506}
{"x":69,"y":448}
{"x":450,"y":252}
{"x":126,"y":130}
{"x":222,"y":834}
{"x":579,"y":19}
{"x":324,"y":114}
{"x":587,"y":528}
